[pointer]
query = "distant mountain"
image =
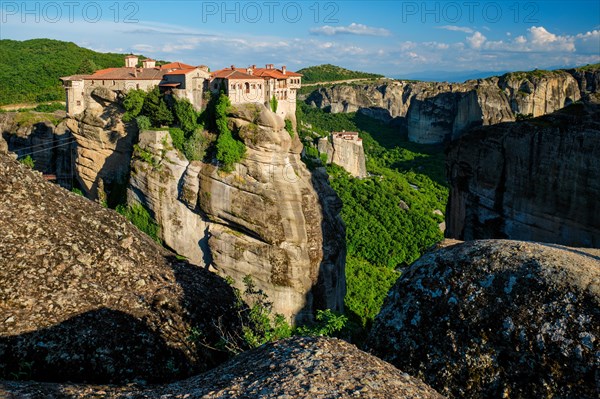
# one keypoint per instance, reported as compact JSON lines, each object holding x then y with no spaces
{"x":332,"y":73}
{"x":29,"y":70}
{"x":448,"y":76}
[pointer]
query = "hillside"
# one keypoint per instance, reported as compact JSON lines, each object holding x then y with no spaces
{"x":29,"y":70}
{"x":332,"y":73}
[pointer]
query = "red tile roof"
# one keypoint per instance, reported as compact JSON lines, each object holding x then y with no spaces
{"x":181,"y":71}
{"x":176,"y":65}
{"x":275,"y":73}
{"x":233,"y":74}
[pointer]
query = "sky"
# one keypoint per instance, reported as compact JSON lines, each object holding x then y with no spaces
{"x":388,"y":37}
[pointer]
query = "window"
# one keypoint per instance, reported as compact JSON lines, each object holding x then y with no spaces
{"x":78,"y":103}
{"x":137,"y":86}
{"x":247,"y":87}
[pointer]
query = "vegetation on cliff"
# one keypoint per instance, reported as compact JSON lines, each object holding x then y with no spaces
{"x":186,"y":125}
{"x":389,"y":216}
{"x":30,"y":70}
{"x":331,"y":73}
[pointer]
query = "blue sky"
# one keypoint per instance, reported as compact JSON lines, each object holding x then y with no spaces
{"x":388,"y":37}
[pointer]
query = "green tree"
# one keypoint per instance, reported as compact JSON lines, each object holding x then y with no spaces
{"x":133,"y":103}
{"x":87,"y":67}
{"x":274,"y":104}
{"x":163,"y":115}
{"x":186,"y":116}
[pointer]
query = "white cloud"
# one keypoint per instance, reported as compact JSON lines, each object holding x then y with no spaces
{"x":352,"y":29}
{"x":541,"y":38}
{"x":456,"y":28}
{"x":588,"y":42}
{"x":477,"y":40}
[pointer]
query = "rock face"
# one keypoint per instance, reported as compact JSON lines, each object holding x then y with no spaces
{"x":104,"y":144}
{"x":532,"y":180}
{"x":85,"y":296}
{"x":52,"y":147}
{"x":497,"y":319}
{"x":269,"y":218}
{"x":322,"y":368}
{"x":349,"y":154}
{"x":433,"y":113}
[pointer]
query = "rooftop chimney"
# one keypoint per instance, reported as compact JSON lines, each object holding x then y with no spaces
{"x":269,"y":66}
{"x":283,"y":69}
{"x":148,"y":63}
{"x":253,"y":66}
{"x":232,"y":67}
{"x":249,"y":71}
{"x":131,"y":61}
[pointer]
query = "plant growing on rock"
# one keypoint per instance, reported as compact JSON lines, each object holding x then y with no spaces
{"x":143,"y":122}
{"x":28,"y":161}
{"x":229,"y":150}
{"x":141,"y":218}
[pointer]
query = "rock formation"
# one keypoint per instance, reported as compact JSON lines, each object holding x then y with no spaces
{"x":295,"y":368}
{"x":51,"y":146}
{"x":433,"y":113}
{"x":347,"y":153}
{"x":269,"y":218}
{"x":85,"y":296}
{"x":104,"y":143}
{"x":492,"y":319}
{"x":531,"y":180}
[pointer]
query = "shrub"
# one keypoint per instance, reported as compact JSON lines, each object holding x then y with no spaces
{"x":289,"y":127}
{"x":143,"y":122}
{"x":178,"y":138}
{"x":28,"y":161}
{"x":265,"y":327}
{"x":195,"y":146}
{"x":327,"y":323}
{"x":140,"y":218}
{"x":229,"y":151}
{"x":50,"y":107}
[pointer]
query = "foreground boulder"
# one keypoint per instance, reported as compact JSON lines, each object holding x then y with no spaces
{"x":293,"y":368}
{"x":85,"y":296}
{"x":497,"y":319}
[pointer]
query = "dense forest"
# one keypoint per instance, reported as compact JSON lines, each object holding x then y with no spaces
{"x":332,"y":73}
{"x":389,"y":216}
{"x":30,"y":70}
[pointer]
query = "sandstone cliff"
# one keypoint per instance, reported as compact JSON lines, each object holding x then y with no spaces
{"x":85,"y":296}
{"x":349,"y":154}
{"x":45,"y":138}
{"x":322,"y":368}
{"x":532,"y":180}
{"x":497,"y":319}
{"x":104,"y":143}
{"x":439,"y":112}
{"x":270,"y":218}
